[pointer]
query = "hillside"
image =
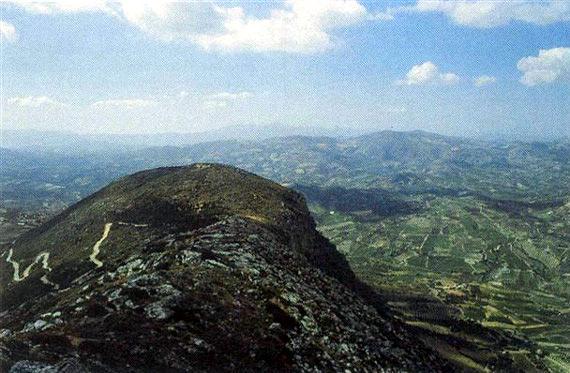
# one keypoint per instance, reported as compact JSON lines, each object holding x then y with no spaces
{"x":203,"y":267}
{"x":464,"y":230}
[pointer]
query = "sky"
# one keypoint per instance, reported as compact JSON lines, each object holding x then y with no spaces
{"x":469,"y":68}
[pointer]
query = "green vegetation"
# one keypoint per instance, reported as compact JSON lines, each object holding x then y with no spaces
{"x":448,"y":229}
{"x":506,"y":271}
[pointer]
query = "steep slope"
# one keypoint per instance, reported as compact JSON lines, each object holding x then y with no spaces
{"x":191,"y":268}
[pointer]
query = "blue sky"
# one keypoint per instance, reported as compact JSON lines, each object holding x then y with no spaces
{"x":462,"y":68}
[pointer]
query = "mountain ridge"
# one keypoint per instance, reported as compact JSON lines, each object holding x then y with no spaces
{"x":467,"y":341}
{"x":195,"y":257}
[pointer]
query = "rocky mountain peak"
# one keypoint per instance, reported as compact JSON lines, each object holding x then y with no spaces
{"x":190,"y":268}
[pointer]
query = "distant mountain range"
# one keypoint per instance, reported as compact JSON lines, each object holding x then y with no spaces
{"x":73,"y":143}
{"x":407,"y":162}
{"x":69,"y":142}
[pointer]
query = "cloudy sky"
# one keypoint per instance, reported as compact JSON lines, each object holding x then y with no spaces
{"x":133,"y":66}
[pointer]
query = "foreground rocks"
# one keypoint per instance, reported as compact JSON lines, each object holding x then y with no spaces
{"x":225,"y":297}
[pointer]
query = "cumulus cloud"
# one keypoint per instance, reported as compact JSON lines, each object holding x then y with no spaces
{"x":549,"y":66}
{"x":484,"y":80}
{"x":8,"y":32}
{"x":428,"y":73}
{"x":296,"y":26}
{"x":170,"y":20}
{"x":124,"y":104}
{"x":300,"y":27}
{"x":35,"y":102}
{"x":485,"y":13}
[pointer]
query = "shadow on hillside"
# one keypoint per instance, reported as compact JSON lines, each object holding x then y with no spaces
{"x":375,"y":201}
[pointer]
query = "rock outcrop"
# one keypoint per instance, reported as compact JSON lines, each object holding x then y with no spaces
{"x":200,"y":268}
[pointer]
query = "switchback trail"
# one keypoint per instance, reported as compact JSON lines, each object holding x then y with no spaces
{"x":43,"y":257}
{"x":96,"y":247}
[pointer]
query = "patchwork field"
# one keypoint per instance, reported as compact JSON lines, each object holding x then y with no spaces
{"x":505,"y":271}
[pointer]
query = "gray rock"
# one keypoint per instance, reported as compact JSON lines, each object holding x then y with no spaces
{"x":26,"y":366}
{"x":151,"y":279}
{"x":130,"y":267}
{"x":4,"y":333}
{"x":65,"y":366}
{"x":158,"y":311}
{"x":36,"y":325}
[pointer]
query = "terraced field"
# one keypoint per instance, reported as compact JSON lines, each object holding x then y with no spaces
{"x":507,"y":271}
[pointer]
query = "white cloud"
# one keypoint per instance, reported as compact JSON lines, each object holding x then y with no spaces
{"x":428,"y":73}
{"x":297,"y":26}
{"x":183,"y":109}
{"x":300,"y":27}
{"x":485,"y":13}
{"x":222,"y":99}
{"x":484,"y":80}
{"x":164,"y":19}
{"x":231,"y":96}
{"x":216,"y":100}
{"x":123,"y":104}
{"x":549,"y":66}
{"x":388,"y":15}
{"x":35,"y":102}
{"x":45,"y":102}
{"x":8,"y":32}
{"x":171,"y":20}
{"x":212,"y":104}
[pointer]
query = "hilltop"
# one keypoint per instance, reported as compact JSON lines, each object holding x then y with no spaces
{"x":202,"y":267}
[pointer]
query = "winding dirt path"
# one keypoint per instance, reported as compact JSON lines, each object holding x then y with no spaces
{"x":96,"y":247}
{"x":42,"y":257}
{"x":133,"y":224}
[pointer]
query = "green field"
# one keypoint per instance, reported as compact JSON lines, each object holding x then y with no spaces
{"x":505,"y":271}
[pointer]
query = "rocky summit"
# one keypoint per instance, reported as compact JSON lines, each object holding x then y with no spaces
{"x":199,"y":268}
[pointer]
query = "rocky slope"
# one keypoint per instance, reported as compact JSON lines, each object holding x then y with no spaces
{"x":192,"y":268}
{"x":200,"y":268}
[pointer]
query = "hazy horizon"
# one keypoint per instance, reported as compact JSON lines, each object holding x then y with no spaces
{"x":17,"y":138}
